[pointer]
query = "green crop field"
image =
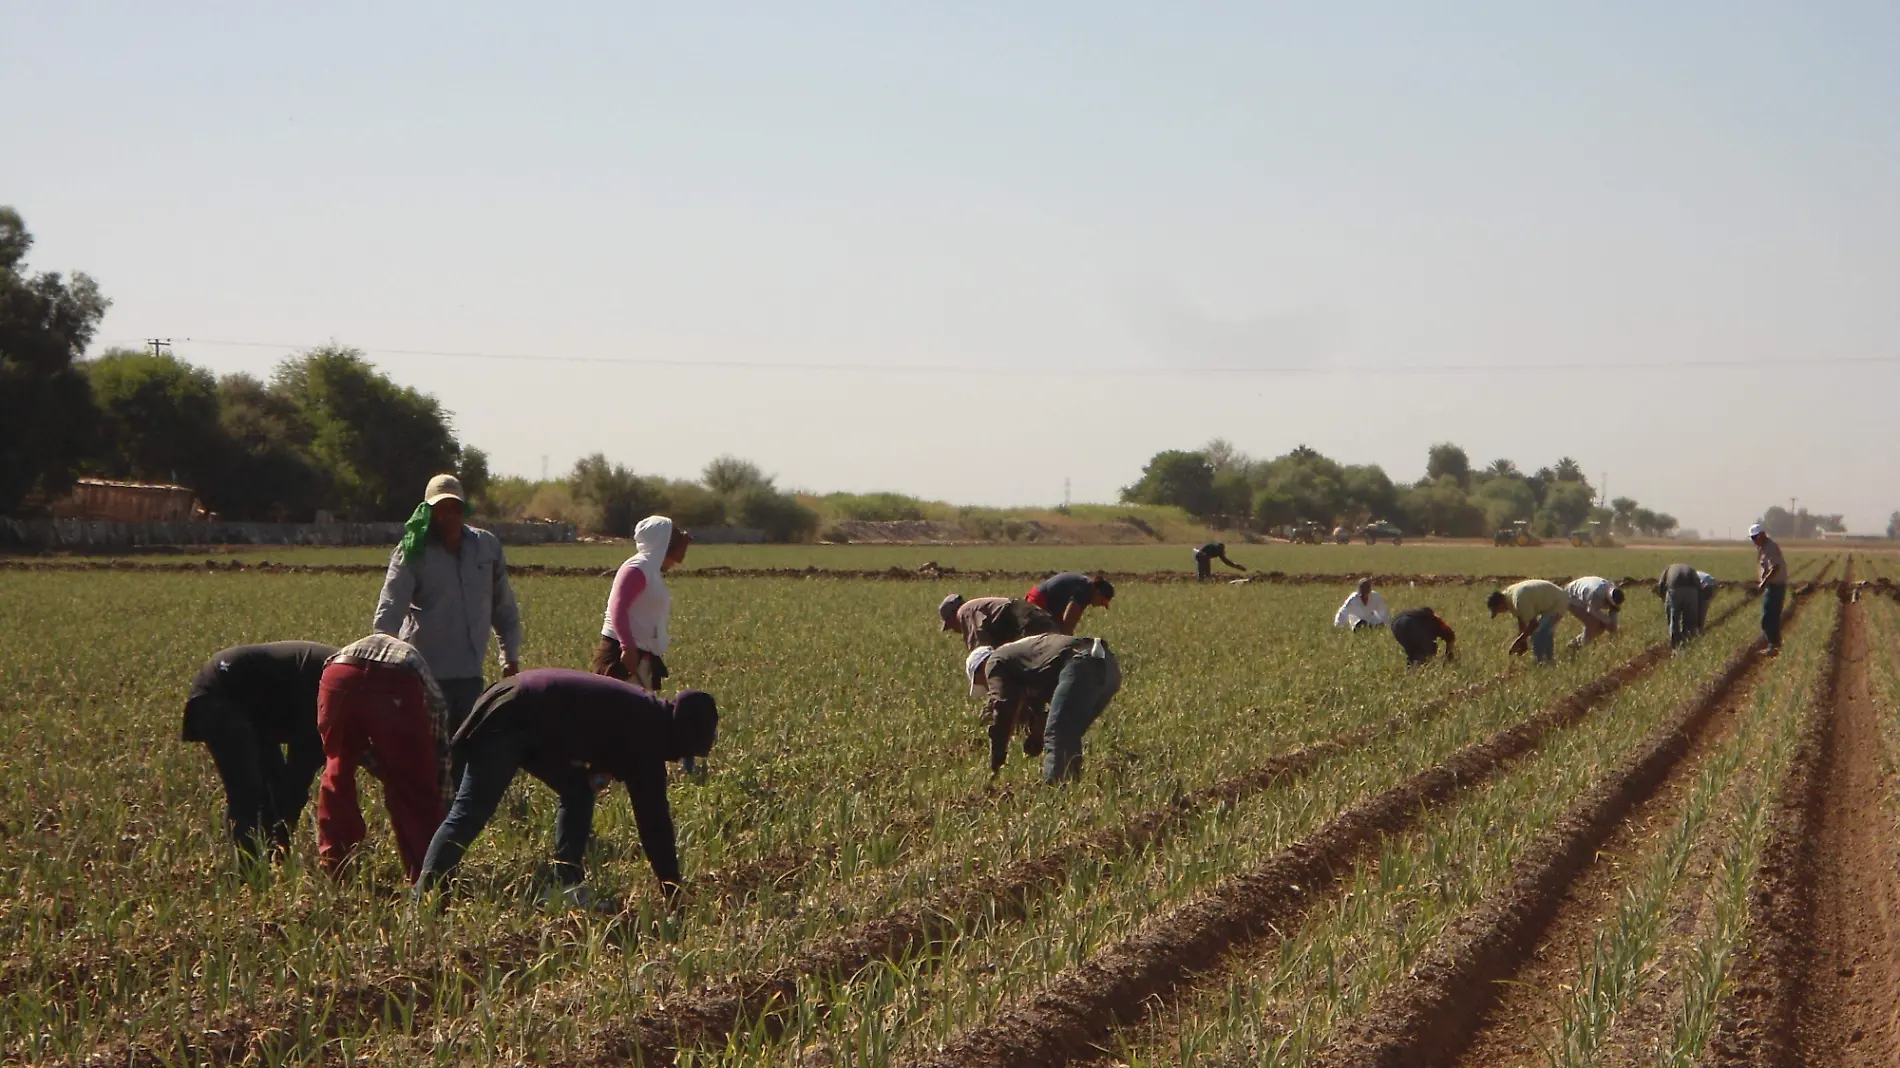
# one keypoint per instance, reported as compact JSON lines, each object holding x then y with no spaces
{"x":1283,"y":845}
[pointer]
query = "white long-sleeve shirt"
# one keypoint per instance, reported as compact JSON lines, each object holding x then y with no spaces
{"x":1371,"y":610}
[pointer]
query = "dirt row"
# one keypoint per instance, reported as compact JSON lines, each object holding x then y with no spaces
{"x":1818,"y":980}
{"x":1075,"y":1014}
{"x":1474,"y":997}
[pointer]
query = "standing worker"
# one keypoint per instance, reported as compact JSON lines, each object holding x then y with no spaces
{"x":633,"y":636}
{"x":562,"y":727}
{"x":1773,"y":586}
{"x":1596,"y":602}
{"x":378,"y":700}
{"x":1364,"y":607}
{"x":1681,"y":590}
{"x":1418,"y":631}
{"x":446,"y":588}
{"x":1537,"y":606}
{"x":993,"y":621}
{"x":249,"y":705}
{"x":1074,"y":678}
{"x":1205,"y":556}
{"x":1065,"y":596}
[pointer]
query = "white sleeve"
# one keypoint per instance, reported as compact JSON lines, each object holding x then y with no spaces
{"x":1340,"y":619}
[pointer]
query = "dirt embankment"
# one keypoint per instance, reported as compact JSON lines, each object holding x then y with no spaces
{"x":1819,"y":979}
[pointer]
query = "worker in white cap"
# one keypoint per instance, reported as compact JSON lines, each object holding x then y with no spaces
{"x":445,"y":591}
{"x":1773,"y":586}
{"x":1072,"y":678}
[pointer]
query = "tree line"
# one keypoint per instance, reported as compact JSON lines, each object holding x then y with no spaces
{"x":1226,"y":487}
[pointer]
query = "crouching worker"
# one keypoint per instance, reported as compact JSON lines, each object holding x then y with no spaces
{"x":1683,"y":606}
{"x":1073,"y":678}
{"x":563,"y":726}
{"x":1418,"y":631}
{"x":379,"y":706}
{"x":1204,"y":557}
{"x":1537,"y":606}
{"x":1365,"y":607}
{"x":249,"y":705}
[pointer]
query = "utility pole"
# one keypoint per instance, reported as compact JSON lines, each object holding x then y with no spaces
{"x":159,"y":344}
{"x":544,"y":467}
{"x":1065,"y":493}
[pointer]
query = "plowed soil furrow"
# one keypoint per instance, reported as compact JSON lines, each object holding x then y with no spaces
{"x":1819,"y":982}
{"x":712,"y":1015}
{"x":1431,"y":1017}
{"x":1529,"y":1005}
{"x":1075,"y":1013}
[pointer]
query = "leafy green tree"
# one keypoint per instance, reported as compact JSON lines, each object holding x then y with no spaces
{"x":47,"y":416}
{"x":728,"y":475}
{"x":1501,"y":468}
{"x":1448,"y":460}
{"x":1182,"y":479}
{"x":1568,"y":470}
{"x":380,"y":442}
{"x":692,"y":505}
{"x":1566,"y":507}
{"x":782,"y":516}
{"x":616,"y":499}
{"x":1505,"y":500}
{"x":1441,"y":506}
{"x":1623,"y":515}
{"x":267,"y":471}
{"x":159,"y":419}
{"x":471,"y":467}
{"x":1893,"y":526}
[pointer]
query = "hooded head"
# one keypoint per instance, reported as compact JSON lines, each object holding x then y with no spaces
{"x":695,"y":725}
{"x":652,"y":536}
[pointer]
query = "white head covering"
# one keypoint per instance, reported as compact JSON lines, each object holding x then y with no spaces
{"x":978,"y":657}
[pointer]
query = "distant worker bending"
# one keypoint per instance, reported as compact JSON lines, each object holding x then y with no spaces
{"x":1365,"y":608}
{"x":1205,"y":556}
{"x":1537,"y":605}
{"x":1067,"y":595}
{"x":1418,"y":632}
{"x":1072,"y":678}
{"x":993,"y":621}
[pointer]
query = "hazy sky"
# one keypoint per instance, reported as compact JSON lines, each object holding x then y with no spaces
{"x":1061,"y":216}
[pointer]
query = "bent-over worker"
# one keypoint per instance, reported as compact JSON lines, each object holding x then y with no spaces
{"x":1073,"y":678}
{"x":1365,"y":607}
{"x":378,"y":705}
{"x":249,"y":705}
{"x":1204,"y":558}
{"x":1537,"y":605}
{"x":1418,"y":631}
{"x":993,"y":621}
{"x":562,"y":727}
{"x":1596,"y":602}
{"x":1065,"y":596}
{"x":1681,"y":591}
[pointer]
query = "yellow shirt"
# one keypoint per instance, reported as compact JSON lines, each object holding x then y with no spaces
{"x":1533,"y":599}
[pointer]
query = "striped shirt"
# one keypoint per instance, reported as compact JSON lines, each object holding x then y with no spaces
{"x":385,"y":651}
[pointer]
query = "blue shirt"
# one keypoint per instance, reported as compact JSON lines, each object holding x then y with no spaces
{"x":1060,"y":591}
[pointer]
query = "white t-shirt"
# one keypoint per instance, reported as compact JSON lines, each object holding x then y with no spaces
{"x":1370,"y":610}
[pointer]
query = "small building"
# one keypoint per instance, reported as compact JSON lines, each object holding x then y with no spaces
{"x":130,"y":502}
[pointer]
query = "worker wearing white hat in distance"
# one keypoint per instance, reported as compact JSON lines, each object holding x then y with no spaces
{"x":1073,"y":678}
{"x":1773,"y":586}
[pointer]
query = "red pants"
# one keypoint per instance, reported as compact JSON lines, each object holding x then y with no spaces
{"x":370,"y":708}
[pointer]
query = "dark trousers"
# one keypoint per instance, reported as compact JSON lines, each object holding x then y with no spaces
{"x":380,"y":710}
{"x":1682,"y":607}
{"x":1772,"y":598}
{"x":1082,"y":692}
{"x":461,"y":695}
{"x":1203,"y":567}
{"x":265,"y":789}
{"x":490,"y":764}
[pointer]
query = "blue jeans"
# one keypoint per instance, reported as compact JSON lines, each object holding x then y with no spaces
{"x":461,"y":695}
{"x":1082,"y":692}
{"x":1544,"y":640}
{"x":1682,"y":607}
{"x":1772,"y":598}
{"x":490,"y":764}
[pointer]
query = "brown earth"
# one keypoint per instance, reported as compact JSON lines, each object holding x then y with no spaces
{"x":1816,"y":981}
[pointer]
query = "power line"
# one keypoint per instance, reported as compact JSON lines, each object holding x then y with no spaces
{"x":1108,"y":370}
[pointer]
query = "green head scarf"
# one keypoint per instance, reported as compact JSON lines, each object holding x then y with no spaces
{"x":415,"y":531}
